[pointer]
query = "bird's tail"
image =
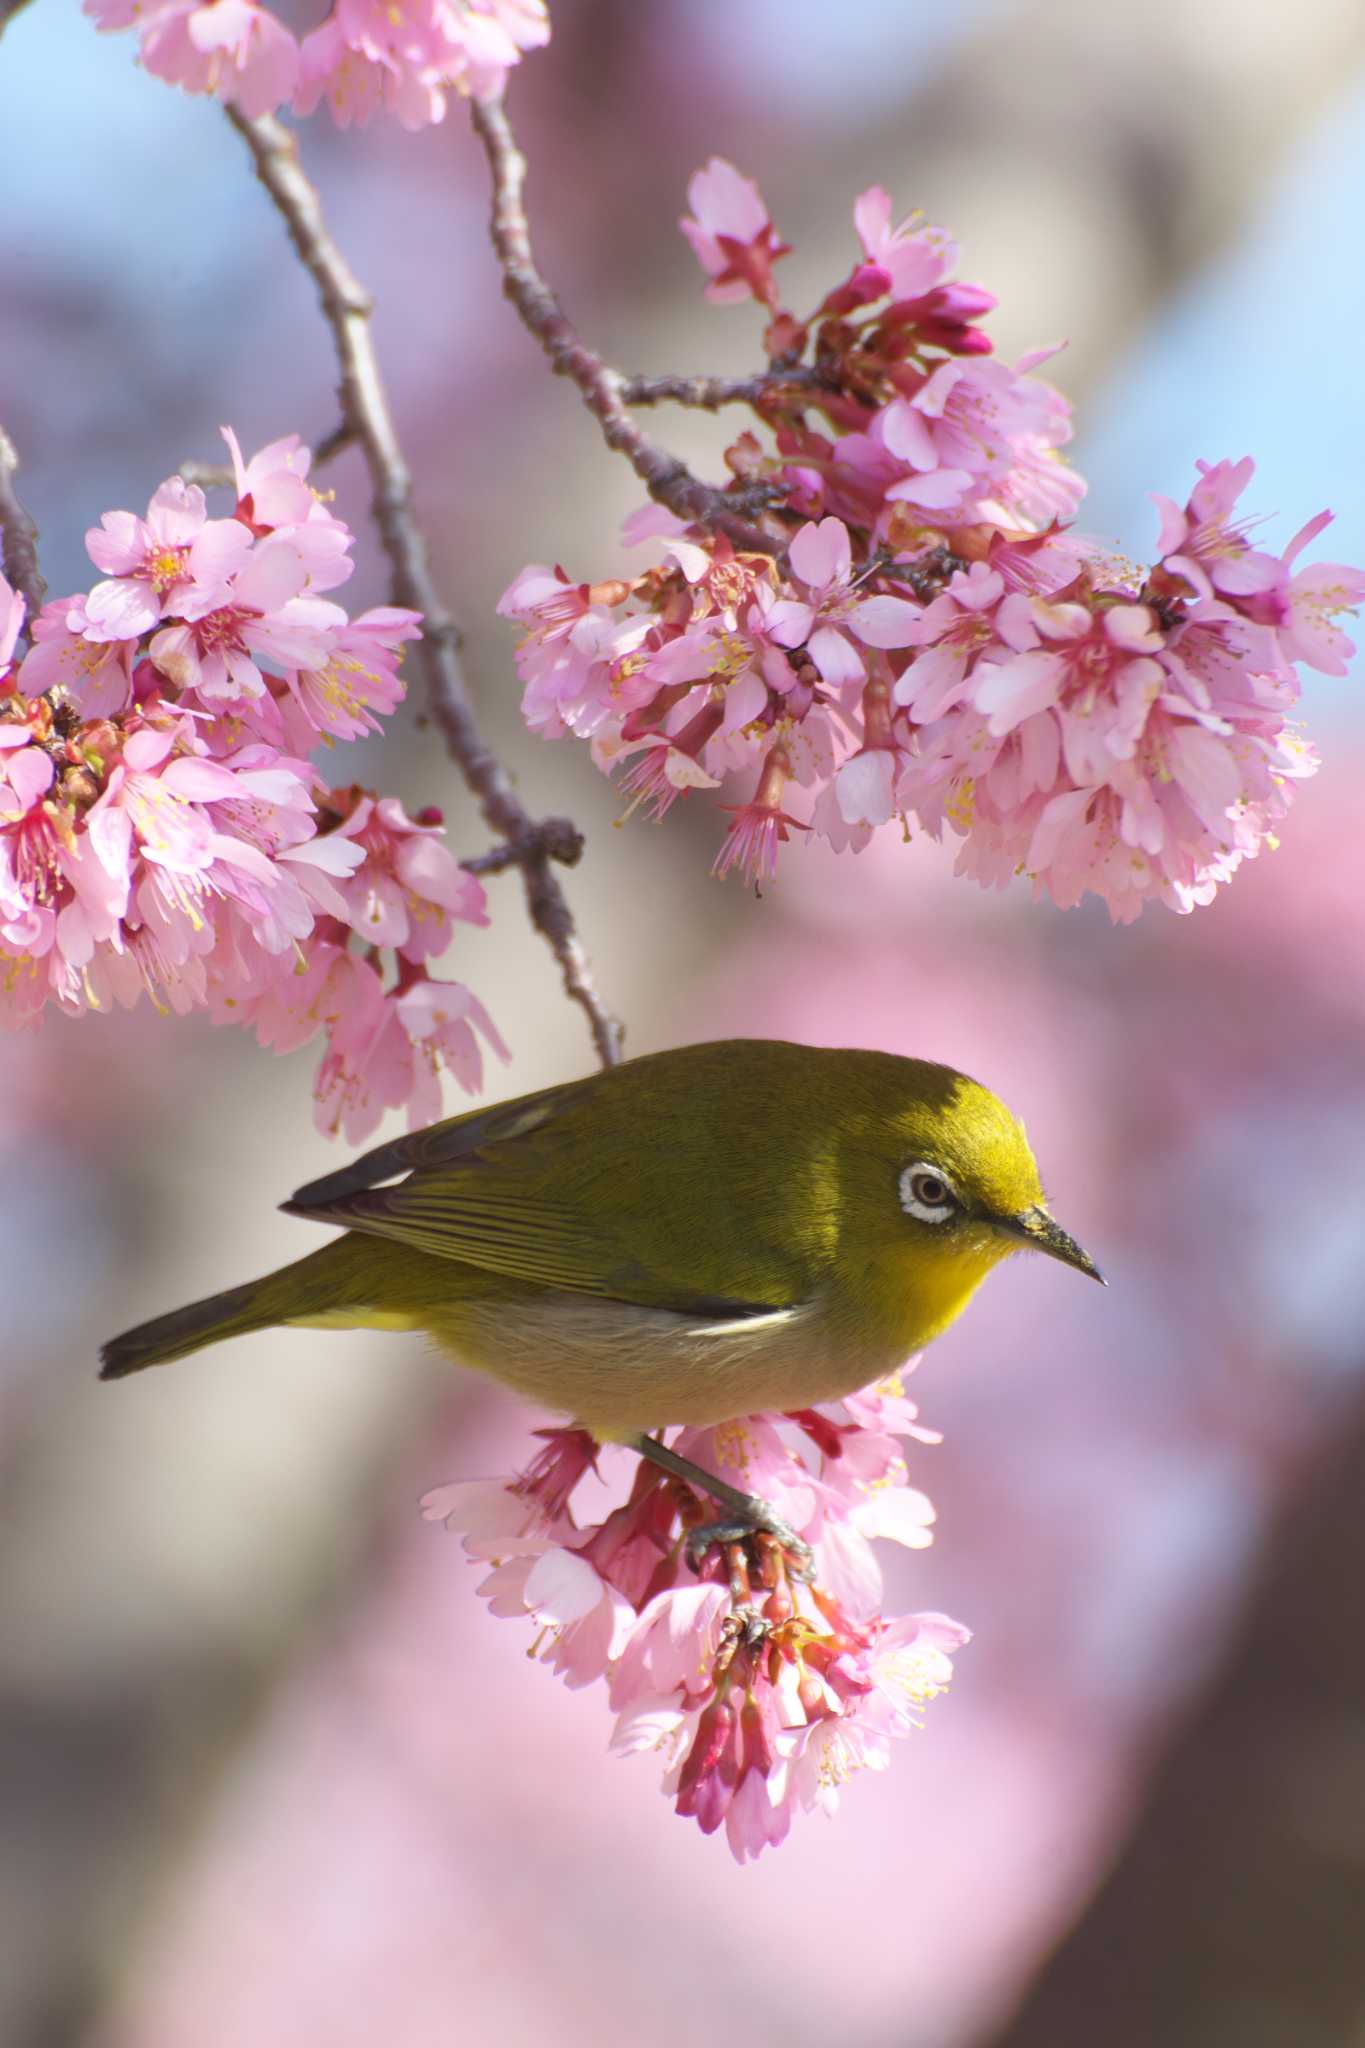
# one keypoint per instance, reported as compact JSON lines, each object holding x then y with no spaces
{"x":327,"y":1287}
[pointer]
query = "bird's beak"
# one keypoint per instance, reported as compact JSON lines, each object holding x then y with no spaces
{"x":1035,"y":1227}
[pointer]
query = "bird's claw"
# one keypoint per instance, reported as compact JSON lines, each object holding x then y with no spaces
{"x":758,"y":1519}
{"x":747,"y":1626}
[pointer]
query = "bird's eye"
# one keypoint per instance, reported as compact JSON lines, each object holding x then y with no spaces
{"x":927,"y":1193}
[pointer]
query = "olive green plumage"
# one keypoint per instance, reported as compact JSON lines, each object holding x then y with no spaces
{"x":693,"y":1234}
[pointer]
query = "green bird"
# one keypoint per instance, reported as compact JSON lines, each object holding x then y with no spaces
{"x":684,"y":1238}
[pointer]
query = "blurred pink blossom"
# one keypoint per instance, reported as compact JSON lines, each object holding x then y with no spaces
{"x":12,"y":613}
{"x":231,"y":48}
{"x":404,"y":58}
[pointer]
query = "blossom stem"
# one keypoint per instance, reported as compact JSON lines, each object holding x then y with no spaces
{"x":664,"y":475}
{"x":18,"y":534}
{"x":347,"y":308}
{"x":773,"y":778}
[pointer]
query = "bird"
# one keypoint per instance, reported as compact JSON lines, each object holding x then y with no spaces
{"x":686,"y":1237}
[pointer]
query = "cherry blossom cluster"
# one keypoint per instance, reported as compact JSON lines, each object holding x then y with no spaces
{"x":162,"y":831}
{"x":928,"y":639}
{"x":404,"y":59}
{"x":758,"y":1692}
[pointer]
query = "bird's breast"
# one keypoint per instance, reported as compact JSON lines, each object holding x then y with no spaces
{"x":620,"y":1369}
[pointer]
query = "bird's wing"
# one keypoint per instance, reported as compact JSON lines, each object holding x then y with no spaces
{"x":443,"y":1144}
{"x":605,"y":1187}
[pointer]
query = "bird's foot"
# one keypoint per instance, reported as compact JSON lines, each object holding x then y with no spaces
{"x":748,"y":1518}
{"x":746,"y":1628}
{"x":755,"y":1519}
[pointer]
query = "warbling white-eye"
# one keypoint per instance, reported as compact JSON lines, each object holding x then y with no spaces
{"x":685,"y":1238}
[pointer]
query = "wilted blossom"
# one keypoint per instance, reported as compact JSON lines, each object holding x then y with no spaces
{"x":758,"y":1692}
{"x":402,"y":58}
{"x":929,"y":643}
{"x":164,"y":833}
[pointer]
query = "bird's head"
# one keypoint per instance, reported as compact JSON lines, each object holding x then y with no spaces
{"x":949,"y":1187}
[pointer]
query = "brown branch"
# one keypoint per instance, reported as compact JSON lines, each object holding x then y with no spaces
{"x":18,"y":534}
{"x":347,"y":307}
{"x":708,"y":394}
{"x":554,"y":838}
{"x":603,"y":388}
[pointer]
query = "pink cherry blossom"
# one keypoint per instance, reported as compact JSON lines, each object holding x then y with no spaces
{"x":756,"y":1694}
{"x":406,"y":59}
{"x":830,"y":621}
{"x":247,"y":608}
{"x":1307,"y":611}
{"x":163,"y":834}
{"x":913,"y":256}
{"x":232,"y":48}
{"x":368,"y":1065}
{"x":731,"y":234}
{"x":409,"y":886}
{"x":570,"y":660}
{"x":752,"y":841}
{"x":354,"y":679}
{"x":12,"y":612}
{"x":918,"y":637}
{"x":444,"y":1022}
{"x":977,"y":439}
{"x":94,"y":675}
{"x":663,"y":769}
{"x":272,"y":488}
{"x":409,"y":58}
{"x":145,"y":561}
{"x":1204,"y":545}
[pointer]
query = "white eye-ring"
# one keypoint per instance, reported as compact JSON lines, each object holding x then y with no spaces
{"x":927,"y":1192}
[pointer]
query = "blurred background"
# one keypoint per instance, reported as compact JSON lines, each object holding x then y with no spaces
{"x":270,"y":1774}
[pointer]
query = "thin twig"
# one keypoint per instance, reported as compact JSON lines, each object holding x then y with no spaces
{"x":210,"y":476}
{"x":331,"y":445}
{"x":708,"y":394}
{"x":347,"y":308}
{"x":666,"y":478}
{"x":556,"y":838}
{"x":18,"y":534}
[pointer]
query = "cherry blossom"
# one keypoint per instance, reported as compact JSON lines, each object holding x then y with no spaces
{"x":164,"y":834}
{"x":731,"y":234}
{"x":910,"y":259}
{"x":404,"y":59}
{"x":930,"y":644}
{"x":12,"y":614}
{"x":757,"y":1693}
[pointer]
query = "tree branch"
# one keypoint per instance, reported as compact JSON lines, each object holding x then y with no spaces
{"x":347,"y":308}
{"x":708,"y":394}
{"x":603,"y":388}
{"x":18,"y":534}
{"x":557,"y":838}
